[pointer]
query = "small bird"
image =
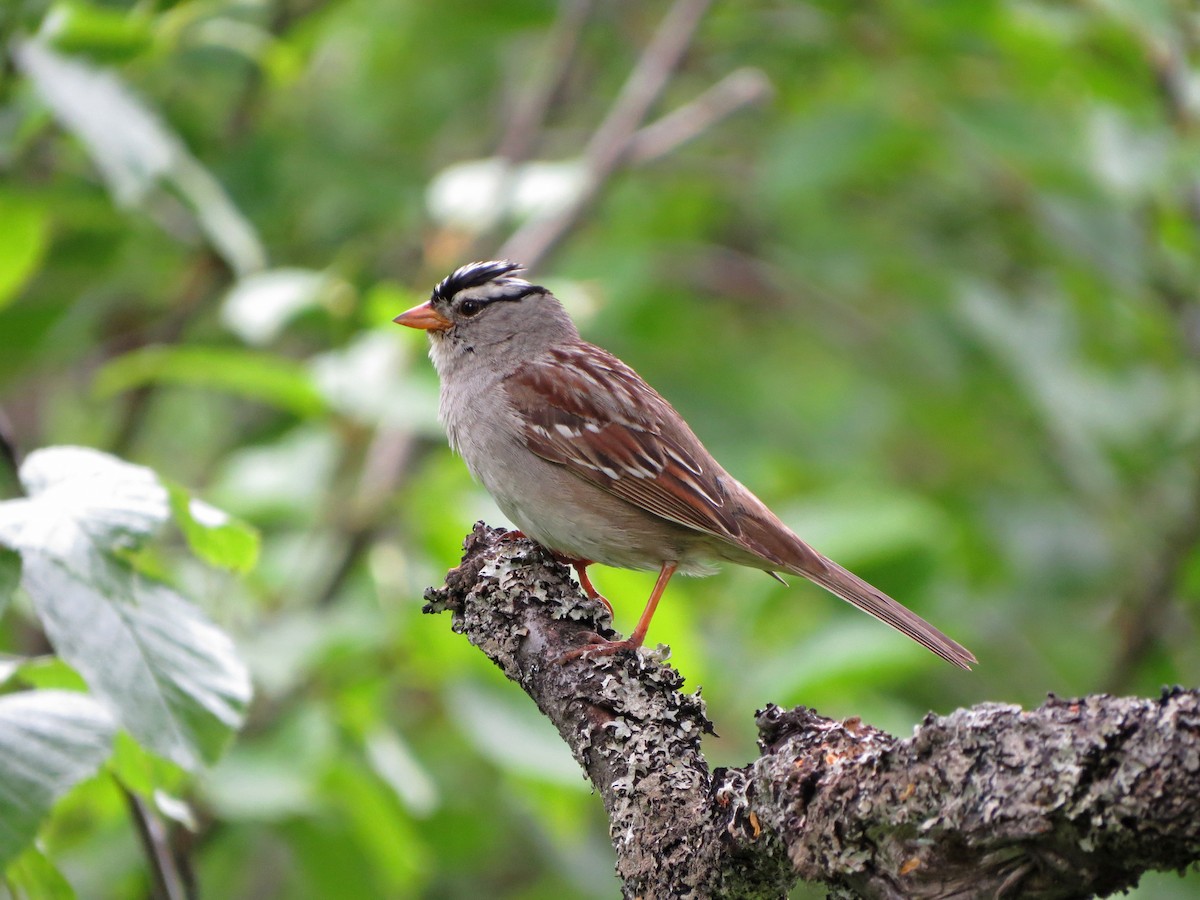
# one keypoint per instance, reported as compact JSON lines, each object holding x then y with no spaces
{"x":589,"y":461}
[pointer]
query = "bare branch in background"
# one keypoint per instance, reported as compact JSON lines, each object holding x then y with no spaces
{"x":612,"y":140}
{"x":738,"y":89}
{"x":10,"y":450}
{"x":527,"y":122}
{"x":1149,"y":608}
{"x":170,"y":881}
{"x":1078,"y":797}
{"x":526,"y":128}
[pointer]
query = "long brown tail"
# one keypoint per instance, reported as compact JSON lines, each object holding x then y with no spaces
{"x":761,"y":533}
{"x":853,"y":589}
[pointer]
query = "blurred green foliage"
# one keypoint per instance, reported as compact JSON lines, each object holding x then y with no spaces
{"x":937,"y":303}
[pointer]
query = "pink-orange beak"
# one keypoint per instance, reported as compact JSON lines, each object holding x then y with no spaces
{"x":424,"y":317}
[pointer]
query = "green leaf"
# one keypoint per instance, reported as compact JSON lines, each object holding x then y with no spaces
{"x":49,"y":673}
{"x":33,"y":877}
{"x":10,"y":575}
{"x":102,"y":33}
{"x":26,"y":229}
{"x":170,"y":676}
{"x":135,"y":151}
{"x":143,"y":772}
{"x":215,"y":536}
{"x":257,"y":376}
{"x":49,"y":741}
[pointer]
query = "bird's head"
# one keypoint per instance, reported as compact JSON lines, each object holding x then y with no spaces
{"x":484,"y":304}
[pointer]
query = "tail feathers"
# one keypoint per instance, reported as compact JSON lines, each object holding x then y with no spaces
{"x":854,"y":590}
{"x":765,"y":537}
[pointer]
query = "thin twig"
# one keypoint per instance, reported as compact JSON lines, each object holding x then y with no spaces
{"x":204,"y":275}
{"x":738,"y":89}
{"x":10,"y":450}
{"x":1145,"y":611}
{"x":612,"y":140}
{"x":526,"y":124}
{"x":169,"y":882}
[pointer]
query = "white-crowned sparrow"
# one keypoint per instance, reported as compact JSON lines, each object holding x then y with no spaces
{"x":589,"y":461}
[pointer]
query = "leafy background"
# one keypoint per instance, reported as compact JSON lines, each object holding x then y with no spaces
{"x":935,"y":300}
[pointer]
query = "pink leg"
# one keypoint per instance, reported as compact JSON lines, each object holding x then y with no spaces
{"x":601,"y":647}
{"x":580,"y":566}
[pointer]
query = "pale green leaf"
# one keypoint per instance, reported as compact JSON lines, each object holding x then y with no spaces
{"x":395,"y":763}
{"x":171,"y":676}
{"x":79,"y":499}
{"x":256,"y":376}
{"x":73,"y":26}
{"x":49,"y":673}
{"x":514,"y":735}
{"x":258,"y":306}
{"x":367,"y":381}
{"x":49,"y":741}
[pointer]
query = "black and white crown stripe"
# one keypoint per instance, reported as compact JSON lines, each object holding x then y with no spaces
{"x":493,"y":280}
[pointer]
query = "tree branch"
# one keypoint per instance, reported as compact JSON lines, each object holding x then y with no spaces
{"x":611,"y":142}
{"x":1075,"y":798}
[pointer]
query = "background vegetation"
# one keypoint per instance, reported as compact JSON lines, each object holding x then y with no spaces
{"x":934,"y":299}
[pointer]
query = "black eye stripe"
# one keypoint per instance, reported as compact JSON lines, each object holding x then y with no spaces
{"x":480,"y":302}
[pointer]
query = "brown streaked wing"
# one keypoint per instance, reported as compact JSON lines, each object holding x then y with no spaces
{"x":586,"y":410}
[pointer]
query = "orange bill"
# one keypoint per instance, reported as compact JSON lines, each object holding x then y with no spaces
{"x":424,"y":317}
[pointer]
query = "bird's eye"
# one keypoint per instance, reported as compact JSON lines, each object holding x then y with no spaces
{"x":469,"y":307}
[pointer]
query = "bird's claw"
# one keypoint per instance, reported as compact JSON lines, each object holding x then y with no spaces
{"x":596,"y":646}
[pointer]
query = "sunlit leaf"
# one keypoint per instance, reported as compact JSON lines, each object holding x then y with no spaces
{"x":366,"y":380}
{"x":73,"y":26}
{"x":31,"y":876}
{"x":258,"y":306}
{"x":256,"y":376}
{"x":141,"y":771}
{"x":26,"y":229}
{"x":215,"y":536}
{"x":49,"y":741}
{"x":49,"y":673}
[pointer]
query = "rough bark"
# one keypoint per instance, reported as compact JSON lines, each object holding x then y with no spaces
{"x":1076,"y":798}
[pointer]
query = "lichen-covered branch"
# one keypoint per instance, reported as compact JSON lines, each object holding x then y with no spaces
{"x":1074,"y":799}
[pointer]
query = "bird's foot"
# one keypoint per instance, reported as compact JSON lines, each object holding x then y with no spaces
{"x":598,"y":646}
{"x":512,"y":535}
